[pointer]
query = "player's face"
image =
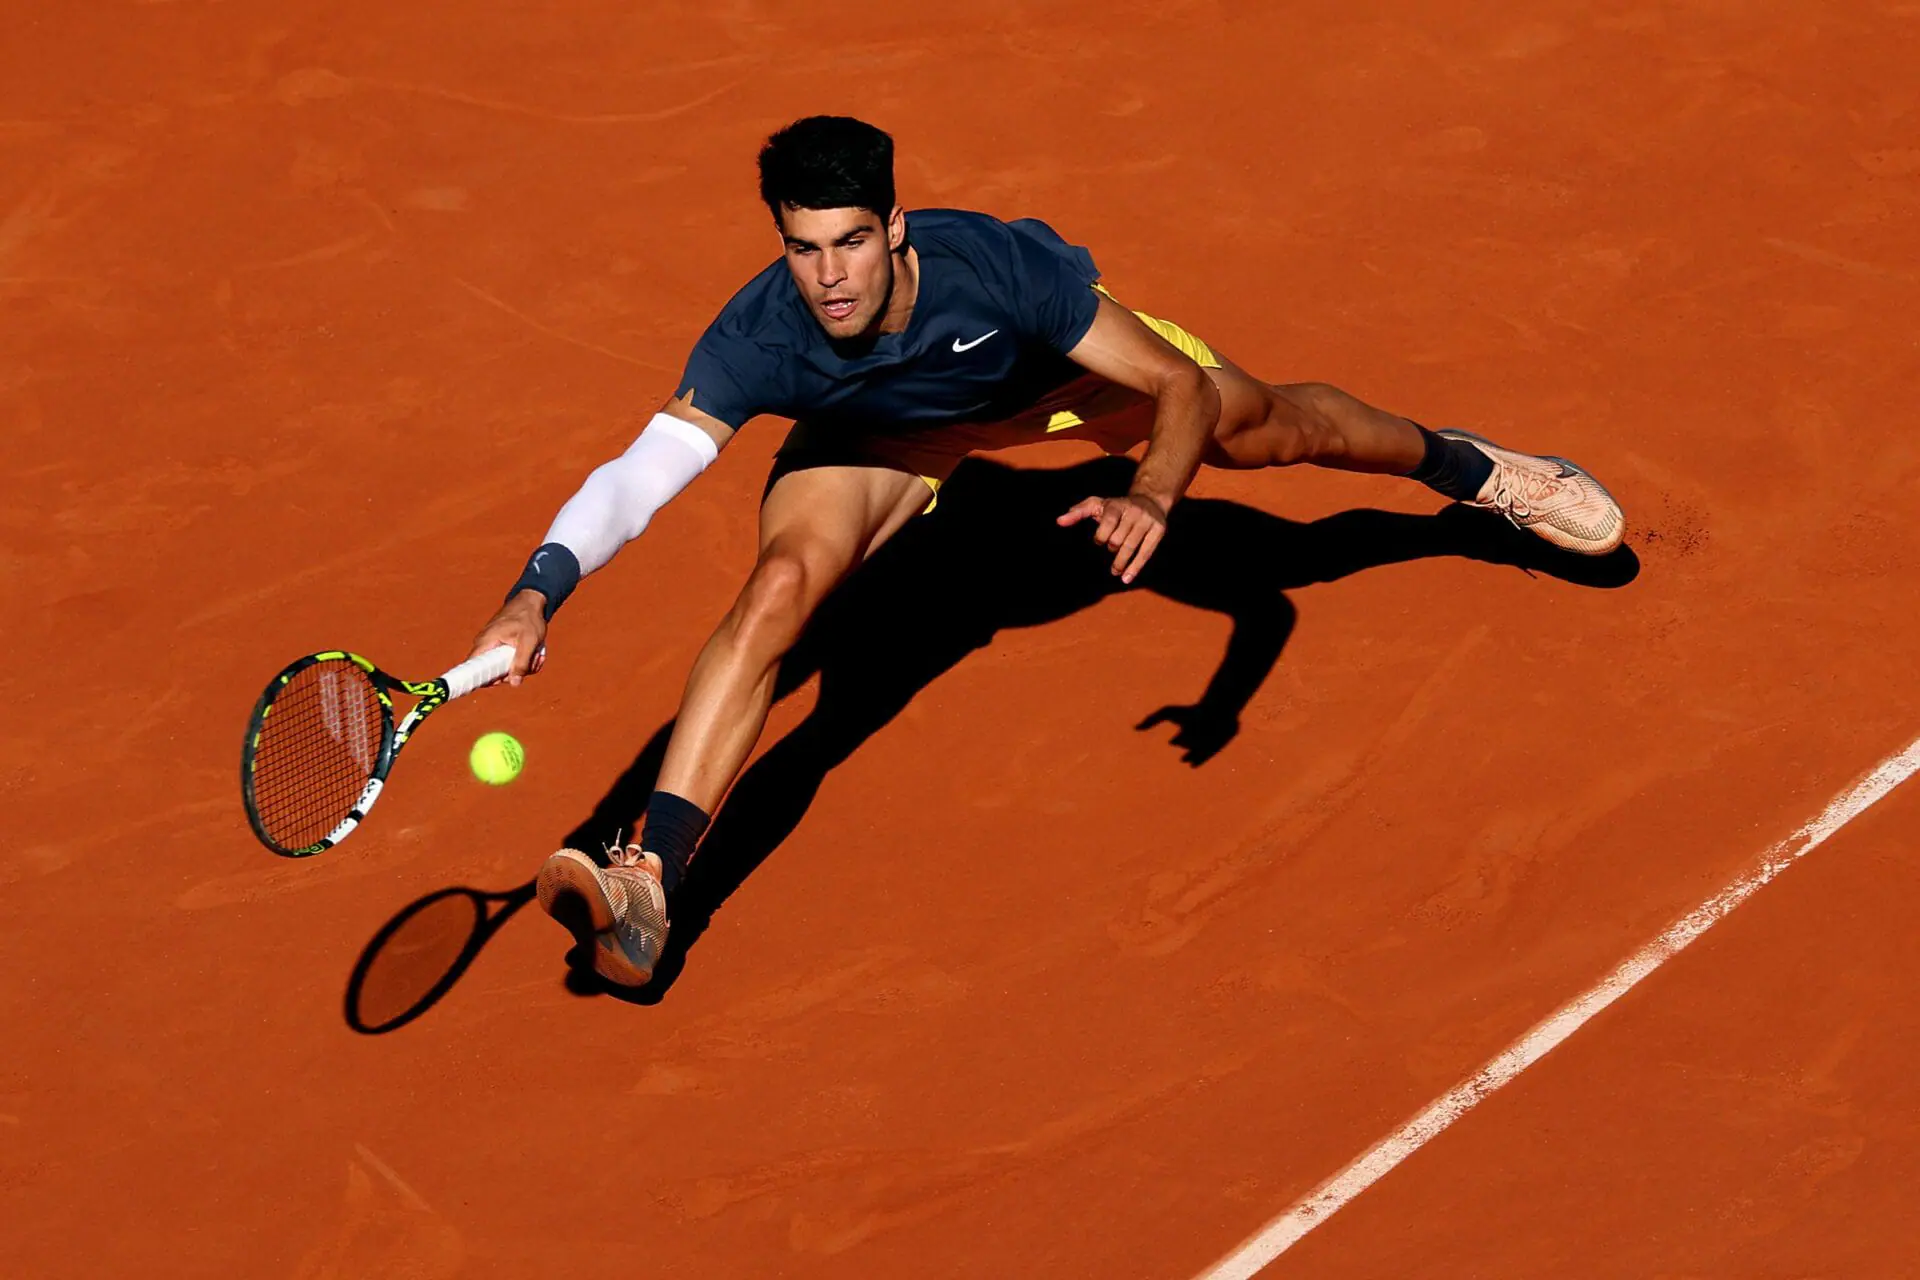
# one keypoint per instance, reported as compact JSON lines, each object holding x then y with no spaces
{"x":842,"y":259}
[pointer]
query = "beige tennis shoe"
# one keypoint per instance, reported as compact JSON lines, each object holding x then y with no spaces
{"x":1550,"y":496}
{"x":625,"y":904}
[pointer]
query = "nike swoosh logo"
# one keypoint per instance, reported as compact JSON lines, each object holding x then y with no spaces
{"x":537,"y":558}
{"x":968,"y":346}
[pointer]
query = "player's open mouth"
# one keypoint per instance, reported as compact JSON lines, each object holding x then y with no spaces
{"x":838,"y":309}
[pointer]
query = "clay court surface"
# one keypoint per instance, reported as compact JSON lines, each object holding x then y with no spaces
{"x":313,"y":314}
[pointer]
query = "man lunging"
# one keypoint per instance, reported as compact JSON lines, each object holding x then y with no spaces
{"x":899,"y":343}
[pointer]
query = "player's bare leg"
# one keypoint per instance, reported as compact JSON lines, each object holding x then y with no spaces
{"x":1263,"y":425}
{"x":816,"y":526}
{"x":1277,"y":426}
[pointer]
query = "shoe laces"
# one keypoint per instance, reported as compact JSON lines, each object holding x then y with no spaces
{"x":1518,"y":489}
{"x":622,"y":855}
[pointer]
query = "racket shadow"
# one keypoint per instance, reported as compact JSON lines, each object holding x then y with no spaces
{"x":418,"y":955}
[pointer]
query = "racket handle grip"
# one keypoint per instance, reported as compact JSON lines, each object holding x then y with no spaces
{"x":474,"y":672}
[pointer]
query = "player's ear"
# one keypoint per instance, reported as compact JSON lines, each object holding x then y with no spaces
{"x":896,"y":229}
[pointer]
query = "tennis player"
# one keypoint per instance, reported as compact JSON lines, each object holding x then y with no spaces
{"x":898,"y":343}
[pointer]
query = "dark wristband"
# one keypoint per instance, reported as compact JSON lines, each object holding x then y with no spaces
{"x":554,"y":572}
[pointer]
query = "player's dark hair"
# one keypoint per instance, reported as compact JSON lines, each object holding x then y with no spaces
{"x":828,"y":162}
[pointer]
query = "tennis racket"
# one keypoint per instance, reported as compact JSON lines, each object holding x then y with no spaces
{"x":322,"y":741}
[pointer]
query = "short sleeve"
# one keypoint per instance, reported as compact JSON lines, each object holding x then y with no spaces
{"x":1057,"y":302}
{"x":725,"y":377}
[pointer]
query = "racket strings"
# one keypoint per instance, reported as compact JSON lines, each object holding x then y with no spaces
{"x":319,"y":746}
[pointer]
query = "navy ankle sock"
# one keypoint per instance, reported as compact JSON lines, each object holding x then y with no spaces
{"x":1452,"y":468}
{"x":671,"y":829}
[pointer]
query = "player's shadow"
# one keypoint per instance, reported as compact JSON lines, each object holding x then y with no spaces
{"x":988,"y":558}
{"x":991,"y":557}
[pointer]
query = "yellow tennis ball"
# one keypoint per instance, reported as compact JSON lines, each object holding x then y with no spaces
{"x":496,"y":758}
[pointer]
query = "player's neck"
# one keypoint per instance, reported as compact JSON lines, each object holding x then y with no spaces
{"x":905,"y":292}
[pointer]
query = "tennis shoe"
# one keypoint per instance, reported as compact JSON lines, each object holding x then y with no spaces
{"x":1549,"y":496}
{"x":626,"y":908}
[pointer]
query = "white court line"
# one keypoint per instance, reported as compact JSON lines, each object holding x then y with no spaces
{"x":1325,"y":1200}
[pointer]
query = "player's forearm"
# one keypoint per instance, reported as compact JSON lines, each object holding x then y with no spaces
{"x":1186,"y":410}
{"x":614,"y":506}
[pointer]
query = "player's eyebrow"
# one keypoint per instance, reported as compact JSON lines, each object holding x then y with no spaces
{"x":861,"y":230}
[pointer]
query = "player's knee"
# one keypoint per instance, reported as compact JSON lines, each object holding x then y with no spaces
{"x":774,"y":606}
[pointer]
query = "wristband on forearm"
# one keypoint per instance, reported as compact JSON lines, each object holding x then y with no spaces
{"x":553,"y":571}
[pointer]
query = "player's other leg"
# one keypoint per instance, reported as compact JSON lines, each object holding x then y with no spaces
{"x":1263,"y":425}
{"x":816,"y":526}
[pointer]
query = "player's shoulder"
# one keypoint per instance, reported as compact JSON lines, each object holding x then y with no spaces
{"x":994,"y":245}
{"x":960,"y":232}
{"x":740,"y":365}
{"x":764,"y":311}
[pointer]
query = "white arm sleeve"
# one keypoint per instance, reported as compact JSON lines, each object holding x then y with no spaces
{"x":613,"y":507}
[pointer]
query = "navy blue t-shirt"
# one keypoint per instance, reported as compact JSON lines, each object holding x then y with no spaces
{"x":1000,"y":304}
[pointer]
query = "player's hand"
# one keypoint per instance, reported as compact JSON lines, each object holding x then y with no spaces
{"x":1202,"y":730}
{"x":1130,"y":527}
{"x":522,"y":623}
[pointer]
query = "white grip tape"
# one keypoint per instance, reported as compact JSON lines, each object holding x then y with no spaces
{"x":474,"y":672}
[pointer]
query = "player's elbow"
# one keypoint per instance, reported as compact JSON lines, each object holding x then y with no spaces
{"x":1186,"y":382}
{"x":639,"y":496}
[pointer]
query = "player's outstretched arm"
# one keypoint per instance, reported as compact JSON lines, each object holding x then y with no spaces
{"x":1186,"y":407}
{"x":611,"y":509}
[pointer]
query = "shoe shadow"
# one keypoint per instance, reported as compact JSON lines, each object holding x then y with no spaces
{"x":987,"y":559}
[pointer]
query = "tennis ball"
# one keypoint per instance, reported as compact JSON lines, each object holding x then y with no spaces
{"x":496,"y":758}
